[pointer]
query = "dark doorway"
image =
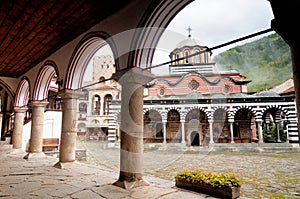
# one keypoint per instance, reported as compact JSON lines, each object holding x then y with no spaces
{"x":195,"y":139}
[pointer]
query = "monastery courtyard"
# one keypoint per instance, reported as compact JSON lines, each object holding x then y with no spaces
{"x":263,"y":174}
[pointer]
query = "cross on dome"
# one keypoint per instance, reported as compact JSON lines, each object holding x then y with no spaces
{"x":189,"y":30}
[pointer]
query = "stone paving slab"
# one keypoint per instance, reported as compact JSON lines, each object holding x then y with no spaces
{"x":38,"y":178}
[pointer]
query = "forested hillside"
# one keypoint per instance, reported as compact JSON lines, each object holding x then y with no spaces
{"x":267,"y":62}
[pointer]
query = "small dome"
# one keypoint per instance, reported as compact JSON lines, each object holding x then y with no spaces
{"x":194,"y":95}
{"x":240,"y":95}
{"x":188,"y":42}
{"x":267,"y":93}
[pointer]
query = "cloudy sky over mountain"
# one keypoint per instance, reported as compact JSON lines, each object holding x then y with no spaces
{"x":214,"y":22}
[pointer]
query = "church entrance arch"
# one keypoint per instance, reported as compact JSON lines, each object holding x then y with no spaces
{"x":195,"y":139}
{"x":196,"y":121}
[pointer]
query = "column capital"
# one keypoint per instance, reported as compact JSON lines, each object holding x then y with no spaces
{"x":18,"y":109}
{"x":133,"y":75}
{"x":70,"y":94}
{"x":230,"y":120}
{"x":38,"y":103}
{"x":258,"y":120}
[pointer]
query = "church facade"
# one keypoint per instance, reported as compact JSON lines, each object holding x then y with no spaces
{"x":195,"y":105}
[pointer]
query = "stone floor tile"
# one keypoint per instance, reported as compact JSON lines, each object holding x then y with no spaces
{"x":111,"y":191}
{"x":86,"y":194}
{"x":150,"y":192}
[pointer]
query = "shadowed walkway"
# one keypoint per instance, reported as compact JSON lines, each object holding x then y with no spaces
{"x":37,"y":178}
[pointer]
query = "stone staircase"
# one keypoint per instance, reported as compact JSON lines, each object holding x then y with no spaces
{"x":239,"y":147}
{"x":256,"y":147}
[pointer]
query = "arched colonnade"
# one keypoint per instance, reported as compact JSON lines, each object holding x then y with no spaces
{"x":132,"y":37}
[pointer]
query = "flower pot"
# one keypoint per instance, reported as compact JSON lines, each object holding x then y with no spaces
{"x":227,"y":192}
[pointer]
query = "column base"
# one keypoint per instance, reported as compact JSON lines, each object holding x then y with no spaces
{"x":64,"y":165}
{"x":128,"y":180}
{"x":131,"y":184}
{"x":17,"y":151}
{"x":35,"y":155}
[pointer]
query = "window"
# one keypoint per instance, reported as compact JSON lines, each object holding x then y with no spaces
{"x":177,"y":57}
{"x":226,"y":89}
{"x":197,"y":57}
{"x":186,"y":54}
{"x":193,"y":85}
{"x":205,"y":58}
{"x":102,"y":79}
{"x":161,"y":91}
{"x":107,"y":100}
{"x":83,"y":107}
{"x":96,"y":105}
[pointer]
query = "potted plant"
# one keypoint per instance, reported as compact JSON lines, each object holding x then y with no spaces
{"x":224,"y":185}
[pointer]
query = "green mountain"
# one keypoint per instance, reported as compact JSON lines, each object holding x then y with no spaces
{"x":266,"y":61}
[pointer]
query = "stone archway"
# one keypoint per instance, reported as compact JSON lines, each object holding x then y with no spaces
{"x":43,"y":81}
{"x":82,"y":54}
{"x":23,"y":93}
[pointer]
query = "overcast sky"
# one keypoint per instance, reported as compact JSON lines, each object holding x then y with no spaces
{"x":214,"y":22}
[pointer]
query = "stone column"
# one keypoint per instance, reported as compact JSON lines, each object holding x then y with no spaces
{"x":278,"y":132}
{"x":68,"y":130}
{"x":131,"y":149}
{"x":102,"y":105}
{"x":260,"y":131}
{"x":211,"y":135}
{"x":283,"y":12}
{"x":287,"y":133}
{"x":1,"y":116}
{"x":165,"y":131}
{"x":231,"y":130}
{"x":182,"y":132}
{"x":37,"y":128}
{"x":18,"y":127}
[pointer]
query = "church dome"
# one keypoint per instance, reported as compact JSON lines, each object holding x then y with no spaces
{"x":267,"y":93}
{"x":188,"y":42}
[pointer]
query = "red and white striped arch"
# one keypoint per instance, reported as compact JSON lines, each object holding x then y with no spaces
{"x":82,"y":54}
{"x":23,"y":93}
{"x":42,"y":83}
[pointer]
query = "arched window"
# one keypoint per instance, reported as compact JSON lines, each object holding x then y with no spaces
{"x":101,"y":78}
{"x":186,"y":54}
{"x":96,"y":104}
{"x":177,"y":57}
{"x":205,"y":57}
{"x":107,"y":100}
{"x":95,"y":121}
{"x":83,"y":107}
{"x":197,"y":57}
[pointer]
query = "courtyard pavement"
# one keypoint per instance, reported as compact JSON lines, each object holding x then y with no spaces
{"x":38,"y":178}
{"x":263,"y":175}
{"x":271,"y":174}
